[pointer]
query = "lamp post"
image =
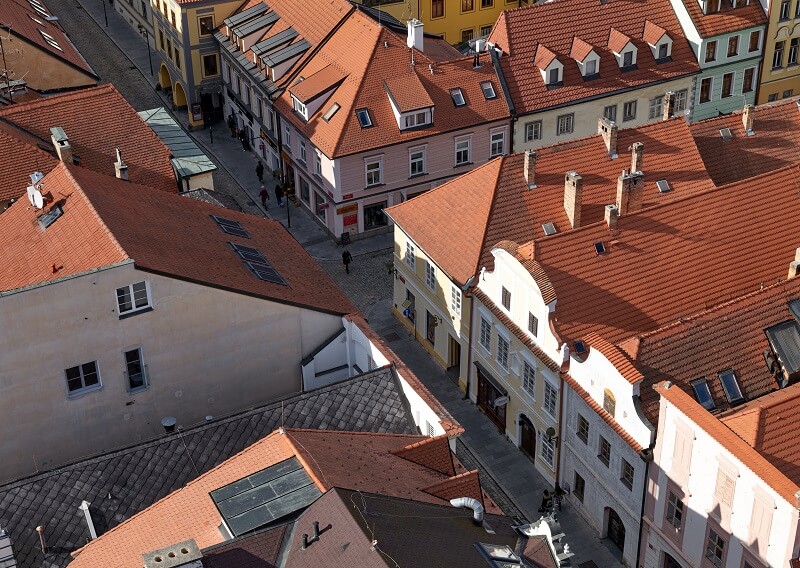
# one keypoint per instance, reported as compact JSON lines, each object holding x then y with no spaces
{"x":143,"y":33}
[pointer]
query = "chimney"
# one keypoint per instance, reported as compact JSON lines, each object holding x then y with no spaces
{"x":747,"y":119}
{"x":669,"y":105}
{"x":7,"y":559}
{"x":629,"y":192}
{"x":612,"y":214}
{"x":608,"y":129}
{"x":794,"y":266}
{"x":637,"y":157}
{"x":169,"y":424}
{"x":573,"y":186}
{"x":84,"y":506}
{"x":530,"y":168}
{"x":185,"y":554}
{"x":61,"y":143}
{"x":415,"y":35}
{"x":120,"y":167}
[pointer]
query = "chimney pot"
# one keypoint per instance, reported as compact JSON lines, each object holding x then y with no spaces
{"x":169,"y":424}
{"x":573,"y":188}
{"x":316,"y":530}
{"x":669,"y":105}
{"x":120,"y":167}
{"x":637,"y":157}
{"x":794,"y":268}
{"x":305,"y":542}
{"x":609,"y":130}
{"x":415,"y":38}
{"x":629,"y":192}
{"x":61,"y":144}
{"x":747,"y":119}
{"x":611,"y":216}
{"x":530,"y":168}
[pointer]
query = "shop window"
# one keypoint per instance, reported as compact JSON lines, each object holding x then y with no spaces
{"x":374,"y":217}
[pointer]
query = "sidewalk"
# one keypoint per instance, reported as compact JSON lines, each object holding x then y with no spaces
{"x":227,"y":152}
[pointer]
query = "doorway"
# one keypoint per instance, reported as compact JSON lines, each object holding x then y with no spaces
{"x":453,"y":358}
{"x":616,"y":530}
{"x":488,"y":395}
{"x":527,"y":437}
{"x":430,"y":328}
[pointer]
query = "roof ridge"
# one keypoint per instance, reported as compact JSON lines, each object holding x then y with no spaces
{"x":500,"y":162}
{"x":349,"y":433}
{"x":449,"y":480}
{"x":48,"y":101}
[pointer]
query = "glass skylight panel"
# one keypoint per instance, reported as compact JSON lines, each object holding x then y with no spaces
{"x":266,"y":272}
{"x":458,"y":97}
{"x":488,"y":90}
{"x":330,"y":112}
{"x":731,"y":386}
{"x":231,"y":227}
{"x":703,"y":394}
{"x":248,"y":253}
{"x":549,"y":229}
{"x":363,"y":118}
{"x":50,"y":217}
{"x":50,"y":40}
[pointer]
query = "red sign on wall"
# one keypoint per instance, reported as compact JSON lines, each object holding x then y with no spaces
{"x":347,"y":196}
{"x":350,"y":220}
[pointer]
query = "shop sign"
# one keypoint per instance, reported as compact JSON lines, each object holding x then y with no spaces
{"x":350,"y":220}
{"x":352,"y":208}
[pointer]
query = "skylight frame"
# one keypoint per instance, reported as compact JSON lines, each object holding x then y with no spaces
{"x":458,"y":97}
{"x":600,"y":248}
{"x":663,"y":186}
{"x":726,"y":134}
{"x":549,"y":228}
{"x":702,"y":393}
{"x":364,"y":119}
{"x":51,"y":41}
{"x":230,"y":227}
{"x":489,"y":92}
{"x":248,"y":254}
{"x":730,"y":384}
{"x":331,"y":112}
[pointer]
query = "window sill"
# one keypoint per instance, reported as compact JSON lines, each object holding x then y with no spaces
{"x":582,"y":439}
{"x":138,"y":390}
{"x":463,"y":165}
{"x":414,"y":176}
{"x":81,"y":392}
{"x":603,"y":461}
{"x":132,"y":313}
{"x":373,"y":186}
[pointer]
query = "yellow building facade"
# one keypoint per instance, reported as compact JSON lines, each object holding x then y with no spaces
{"x":780,"y":74}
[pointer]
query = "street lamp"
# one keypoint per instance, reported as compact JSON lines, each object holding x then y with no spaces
{"x":143,"y":33}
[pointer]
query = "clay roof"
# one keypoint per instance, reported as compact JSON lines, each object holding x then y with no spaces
{"x":408,"y":92}
{"x":544,"y":57}
{"x":520,"y":31}
{"x":19,"y":16}
{"x":771,"y":147}
{"x":433,"y":453}
{"x":20,"y":155}
{"x":580,"y":49}
{"x":260,"y":549}
{"x":102,"y":225}
{"x":727,"y":20}
{"x":760,"y":465}
{"x":79,"y":113}
{"x":652,"y":32}
{"x":318,"y":83}
{"x":616,"y":357}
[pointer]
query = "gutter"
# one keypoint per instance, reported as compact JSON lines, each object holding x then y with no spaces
{"x":647,"y":457}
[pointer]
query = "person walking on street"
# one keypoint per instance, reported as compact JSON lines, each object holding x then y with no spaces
{"x":260,"y":171}
{"x":347,"y":258}
{"x":232,"y":125}
{"x":264,"y":197}
{"x":279,"y":195}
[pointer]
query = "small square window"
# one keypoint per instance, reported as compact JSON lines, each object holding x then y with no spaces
{"x":206,"y":25}
{"x":488,"y":90}
{"x":82,"y":378}
{"x":133,"y":298}
{"x":506,"y":298}
{"x":533,"y":130}
{"x":610,"y":112}
{"x":458,"y":97}
{"x":364,"y":119}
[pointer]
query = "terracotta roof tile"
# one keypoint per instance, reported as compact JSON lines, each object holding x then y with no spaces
{"x":318,"y":83}
{"x":616,"y":357}
{"x":520,"y":31}
{"x":727,"y":20}
{"x":433,"y":453}
{"x":407,"y":92}
{"x":465,"y":484}
{"x":544,"y":57}
{"x":580,"y":49}
{"x":652,"y":32}
{"x":20,"y":155}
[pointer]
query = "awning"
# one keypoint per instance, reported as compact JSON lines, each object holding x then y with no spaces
{"x":486,"y":375}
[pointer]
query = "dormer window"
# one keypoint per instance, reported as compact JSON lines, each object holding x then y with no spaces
{"x":586,"y":57}
{"x":364,"y":119}
{"x":415,"y":119}
{"x":488,"y":90}
{"x":627,"y":59}
{"x":299,"y":108}
{"x":551,"y":68}
{"x":663,"y":51}
{"x":659,"y":41}
{"x":623,"y":48}
{"x":554,"y":76}
{"x":458,"y":97}
{"x":590,"y":68}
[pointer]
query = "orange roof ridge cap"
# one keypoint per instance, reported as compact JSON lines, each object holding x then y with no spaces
{"x":57,"y":99}
{"x":419,"y":443}
{"x":498,"y":163}
{"x":326,"y":432}
{"x":449,"y":480}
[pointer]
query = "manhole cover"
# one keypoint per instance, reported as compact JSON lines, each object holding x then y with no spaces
{"x":392,"y":336}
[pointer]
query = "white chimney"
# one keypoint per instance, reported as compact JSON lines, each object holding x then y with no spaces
{"x":573,"y":189}
{"x":84,"y":507}
{"x":611,"y":216}
{"x":7,"y":559}
{"x":608,"y":130}
{"x":637,"y":157}
{"x":61,"y":143}
{"x":530,"y":169}
{"x":747,"y":119}
{"x":120,"y":167}
{"x":415,"y":35}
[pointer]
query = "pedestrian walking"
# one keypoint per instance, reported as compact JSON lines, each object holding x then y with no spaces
{"x":260,"y":171}
{"x":279,"y":195}
{"x":547,"y":502}
{"x":264,"y":196}
{"x":347,"y":258}
{"x":232,"y":125}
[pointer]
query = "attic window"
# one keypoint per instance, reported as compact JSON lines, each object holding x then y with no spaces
{"x":628,"y":59}
{"x":731,"y":387}
{"x":725,"y":133}
{"x":499,"y":554}
{"x":330,"y":112}
{"x":663,"y":186}
{"x":600,"y":247}
{"x":488,"y":90}
{"x":300,"y":108}
{"x":703,"y":394}
{"x":363,"y":118}
{"x":50,"y":217}
{"x":580,"y":347}
{"x":50,"y":40}
{"x":458,"y":97}
{"x":231,"y":227}
{"x":549,"y":228}
{"x":259,"y":265}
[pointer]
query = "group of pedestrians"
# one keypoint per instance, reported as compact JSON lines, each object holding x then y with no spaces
{"x":264,"y":194}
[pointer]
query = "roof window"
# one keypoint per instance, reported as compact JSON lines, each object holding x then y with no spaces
{"x":725,"y":133}
{"x":231,"y":227}
{"x":39,"y":7}
{"x":458,"y":97}
{"x":363,"y":118}
{"x":50,"y":217}
{"x":580,"y":347}
{"x":549,"y":228}
{"x":259,"y":265}
{"x":499,"y":555}
{"x":330,"y":112}
{"x":600,"y":247}
{"x":50,"y":40}
{"x":663,"y":186}
{"x":703,"y":394}
{"x":731,"y":387}
{"x":488,"y":90}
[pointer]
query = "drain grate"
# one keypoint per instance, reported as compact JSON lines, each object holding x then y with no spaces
{"x":392,"y":336}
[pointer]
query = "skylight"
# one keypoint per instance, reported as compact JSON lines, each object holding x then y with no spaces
{"x":703,"y":394}
{"x":488,"y":90}
{"x":50,"y":40}
{"x":580,"y":347}
{"x":39,"y":7}
{"x":50,"y":217}
{"x":499,"y":555}
{"x":248,"y":253}
{"x":231,"y":227}
{"x":731,"y":387}
{"x":363,"y":118}
{"x":726,"y":133}
{"x":600,"y":247}
{"x":330,"y":112}
{"x":663,"y":186}
{"x":549,"y":228}
{"x":257,"y":264}
{"x":458,"y":97}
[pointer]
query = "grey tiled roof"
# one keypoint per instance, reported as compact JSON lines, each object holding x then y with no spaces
{"x":122,"y":483}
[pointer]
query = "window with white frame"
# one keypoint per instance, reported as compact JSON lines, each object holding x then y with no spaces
{"x":485,"y":337}
{"x":675,"y":510}
{"x":550,"y":399}
{"x":416,"y":162}
{"x":681,"y":99}
{"x":498,"y":143}
{"x":529,"y":378}
{"x":715,"y":548}
{"x":655,"y":108}
{"x":135,"y":371}
{"x":430,"y":275}
{"x":300,"y":108}
{"x":463,"y":151}
{"x":548,"y":449}
{"x":287,"y":138}
{"x":317,"y":164}
{"x":629,"y":111}
{"x":411,"y":256}
{"x":533,"y":130}
{"x":502,"y":351}
{"x":455,"y":300}
{"x":374,"y":171}
{"x":133,"y":298}
{"x":610,"y":112}
{"x":488,"y":90}
{"x":420,"y":118}
{"x":565,"y":124}
{"x":303,"y":151}
{"x":82,"y":378}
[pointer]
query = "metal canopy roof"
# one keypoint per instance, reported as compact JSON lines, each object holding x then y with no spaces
{"x":237,"y":19}
{"x":256,"y":24}
{"x":187,"y":158}
{"x":270,"y":43}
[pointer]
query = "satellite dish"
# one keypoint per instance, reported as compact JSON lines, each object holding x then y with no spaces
{"x":38,"y":199}
{"x":501,"y":401}
{"x":550,"y":432}
{"x":31,"y":189}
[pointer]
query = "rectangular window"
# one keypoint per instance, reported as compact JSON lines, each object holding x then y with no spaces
{"x":455,"y":300}
{"x":505,"y":296}
{"x":135,"y":370}
{"x":305,"y":190}
{"x":467,"y":6}
{"x":655,"y":108}
{"x":627,"y":59}
{"x":172,"y":18}
{"x":565,"y":124}
{"x":416,"y":119}
{"x":317,"y":164}
{"x":416,"y":162}
{"x":591,"y":67}
{"x":627,"y":475}
{"x":488,"y":90}
{"x":486,"y":335}
{"x":705,"y":89}
{"x":550,"y":399}
{"x":772,"y":97}
{"x":374,"y":172}
{"x":133,"y":298}
{"x":605,"y":451}
{"x":554,"y":76}
{"x":533,"y":130}
{"x":502,"y":351}
{"x":363,"y":117}
{"x":681,"y":99}
{"x":583,"y":429}
{"x":777,"y":57}
{"x":725,"y":488}
{"x":374,"y":217}
{"x":287,"y":138}
{"x":755,"y":40}
{"x":529,"y":379}
{"x":733,"y":46}
{"x":303,"y":151}
{"x":320,"y":206}
{"x":430,"y":275}
{"x":497,"y":146}
{"x":609,"y":403}
{"x":793,"y":45}
{"x":533,"y":324}
{"x":629,"y":111}
{"x":458,"y":97}
{"x":703,"y":394}
{"x":467,"y":35}
{"x":715,"y":548}
{"x":210,"y":66}
{"x":579,"y":487}
{"x":675,"y":510}
{"x":177,"y":58}
{"x":410,"y":257}
{"x":430,"y":327}
{"x":785,"y":9}
{"x":548,"y":449}
{"x":161,"y":39}
{"x":788,"y":93}
{"x":747,"y":81}
{"x":206,"y":24}
{"x":610,"y":112}
{"x":463,"y":151}
{"x":727,"y":85}
{"x":437,"y":8}
{"x":82,"y":377}
{"x":663,"y":51}
{"x":711,"y":51}
{"x":485,"y":30}
{"x":487,"y":3}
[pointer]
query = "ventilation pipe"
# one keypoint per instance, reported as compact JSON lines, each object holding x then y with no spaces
{"x":84,"y":506}
{"x":120,"y":167}
{"x":470,"y":503}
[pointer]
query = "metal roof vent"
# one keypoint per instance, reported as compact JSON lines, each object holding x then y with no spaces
{"x":185,"y":554}
{"x":549,"y":228}
{"x":726,"y":133}
{"x":7,"y":559}
{"x":663,"y":186}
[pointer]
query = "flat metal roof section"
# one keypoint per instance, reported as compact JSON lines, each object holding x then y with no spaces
{"x":286,"y":53}
{"x":252,"y":12}
{"x":277,"y":40}
{"x":784,"y":338}
{"x":256,"y":24}
{"x":187,"y":158}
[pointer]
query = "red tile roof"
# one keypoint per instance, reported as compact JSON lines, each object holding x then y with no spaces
{"x":520,"y":31}
{"x":580,"y":49}
{"x":544,"y":57}
{"x":79,"y":113}
{"x":727,"y":20}
{"x":616,"y":357}
{"x":652,"y":33}
{"x":773,"y":145}
{"x":461,"y":485}
{"x":408,"y":92}
{"x":317,"y":84}
{"x":433,"y":453}
{"x":102,"y":224}
{"x":20,"y":155}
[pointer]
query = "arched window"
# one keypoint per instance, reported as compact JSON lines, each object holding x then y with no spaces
{"x":609,"y":402}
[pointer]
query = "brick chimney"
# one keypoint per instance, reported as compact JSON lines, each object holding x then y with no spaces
{"x":747,"y":119}
{"x":61,"y":144}
{"x":530,"y":168}
{"x":608,"y":129}
{"x":794,"y":266}
{"x":573,"y":187}
{"x":611,"y":216}
{"x":669,"y":105}
{"x":120,"y":167}
{"x":629,"y":192}
{"x":637,"y":157}
{"x":415,"y":37}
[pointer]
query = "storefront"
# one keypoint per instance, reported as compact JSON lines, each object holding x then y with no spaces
{"x":492,"y":397}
